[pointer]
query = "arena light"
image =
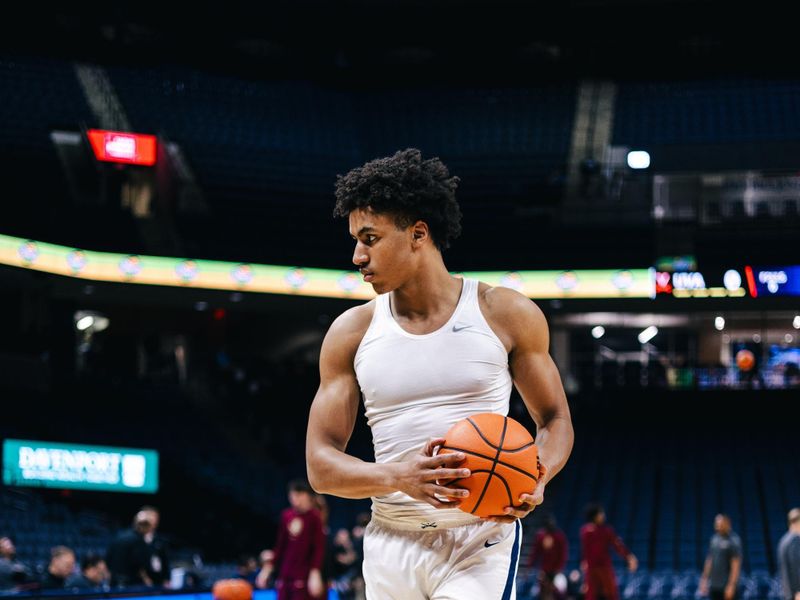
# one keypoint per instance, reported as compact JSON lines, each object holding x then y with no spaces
{"x":84,"y":323}
{"x":796,"y":322}
{"x":638,"y":159}
{"x":90,"y":320}
{"x":598,"y":332}
{"x":719,"y":323}
{"x":648,"y":334}
{"x":122,"y":147}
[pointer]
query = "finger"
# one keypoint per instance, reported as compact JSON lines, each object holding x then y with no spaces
{"x":450,"y":459}
{"x":436,"y":503}
{"x":448,"y":492}
{"x":517,"y":512}
{"x":529,"y":500}
{"x":445,"y":475}
{"x":432,"y":443}
{"x":501,"y":519}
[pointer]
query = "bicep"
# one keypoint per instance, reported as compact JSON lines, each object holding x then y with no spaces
{"x":335,"y":406}
{"x":333,"y":412}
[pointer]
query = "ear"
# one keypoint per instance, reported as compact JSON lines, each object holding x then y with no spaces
{"x":420,"y":233}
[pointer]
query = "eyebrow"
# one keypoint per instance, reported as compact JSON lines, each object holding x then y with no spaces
{"x":365,"y":229}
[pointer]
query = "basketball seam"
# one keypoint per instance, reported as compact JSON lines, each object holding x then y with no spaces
{"x":491,"y":445}
{"x":500,"y":462}
{"x":494,"y":463}
{"x":528,"y":445}
{"x":508,"y":489}
{"x":483,"y":437}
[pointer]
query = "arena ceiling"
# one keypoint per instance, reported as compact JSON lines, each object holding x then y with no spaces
{"x":391,"y":39}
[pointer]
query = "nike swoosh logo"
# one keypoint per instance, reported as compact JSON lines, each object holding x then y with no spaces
{"x":457,"y":328}
{"x":486,"y":544}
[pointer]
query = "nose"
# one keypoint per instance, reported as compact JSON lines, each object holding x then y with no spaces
{"x":360,"y":256}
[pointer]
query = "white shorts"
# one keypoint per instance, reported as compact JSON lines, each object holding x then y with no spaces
{"x":471,"y":562}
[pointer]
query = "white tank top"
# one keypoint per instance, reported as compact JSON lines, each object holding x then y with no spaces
{"x":416,"y":386}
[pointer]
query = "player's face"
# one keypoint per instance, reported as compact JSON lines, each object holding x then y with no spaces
{"x":300,"y":501}
{"x":721,"y":524}
{"x":382,"y":251}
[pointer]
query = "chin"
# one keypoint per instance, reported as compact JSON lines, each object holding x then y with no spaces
{"x":381,"y":287}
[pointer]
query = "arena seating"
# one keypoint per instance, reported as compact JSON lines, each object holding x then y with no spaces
{"x":706,"y":112}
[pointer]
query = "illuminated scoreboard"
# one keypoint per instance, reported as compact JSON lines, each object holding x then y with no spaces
{"x":773,"y":281}
{"x":71,"y":466}
{"x":729,"y":283}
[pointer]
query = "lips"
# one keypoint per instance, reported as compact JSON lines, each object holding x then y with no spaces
{"x":368,"y":275}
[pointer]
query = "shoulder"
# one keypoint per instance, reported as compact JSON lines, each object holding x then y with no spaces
{"x":347,"y":331}
{"x":353,"y":322}
{"x":514,"y":316}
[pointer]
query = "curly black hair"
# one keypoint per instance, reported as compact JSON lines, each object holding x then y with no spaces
{"x":409,"y":189}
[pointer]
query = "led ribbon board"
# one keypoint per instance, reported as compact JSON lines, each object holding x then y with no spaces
{"x":71,"y":466}
{"x":271,"y":279}
{"x":773,"y":281}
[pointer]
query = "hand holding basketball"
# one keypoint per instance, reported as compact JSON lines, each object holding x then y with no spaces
{"x":507,"y":477}
{"x":426,"y":476}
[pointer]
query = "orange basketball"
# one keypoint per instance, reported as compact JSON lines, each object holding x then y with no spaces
{"x":232,"y":589}
{"x":745,"y":360}
{"x":502,"y":458}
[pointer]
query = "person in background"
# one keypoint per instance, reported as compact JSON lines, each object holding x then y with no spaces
{"x":300,"y":547}
{"x":267,"y":563}
{"x":12,"y":572}
{"x":357,"y":535}
{"x":789,"y":558}
{"x":247,"y":569}
{"x":342,"y":561}
{"x":61,"y":567}
{"x":724,"y":562}
{"x":597,"y":540}
{"x":549,"y":548}
{"x":138,"y":557}
{"x":93,"y":575}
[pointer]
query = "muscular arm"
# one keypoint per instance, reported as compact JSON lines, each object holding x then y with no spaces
{"x":330,"y":425}
{"x":333,"y":416}
{"x":523,"y":328}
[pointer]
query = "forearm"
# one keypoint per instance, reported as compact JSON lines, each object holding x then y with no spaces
{"x":554,"y":440}
{"x":706,"y":569}
{"x":736,"y":567}
{"x":331,"y":471}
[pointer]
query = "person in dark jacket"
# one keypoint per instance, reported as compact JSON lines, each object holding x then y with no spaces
{"x":93,"y":576}
{"x":138,"y":557}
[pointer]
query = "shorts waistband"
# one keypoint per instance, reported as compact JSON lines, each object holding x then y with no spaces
{"x":422,"y":526}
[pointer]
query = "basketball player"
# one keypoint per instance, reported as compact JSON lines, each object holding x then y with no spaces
{"x":430,"y":350}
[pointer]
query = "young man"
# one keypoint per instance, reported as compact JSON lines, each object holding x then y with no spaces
{"x":789,"y":557}
{"x":550,"y":547}
{"x":723,"y":564}
{"x":300,"y":547}
{"x":430,"y":350}
{"x":597,"y":540}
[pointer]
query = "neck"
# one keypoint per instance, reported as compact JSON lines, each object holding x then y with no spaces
{"x":795,"y":528}
{"x":428,"y":290}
